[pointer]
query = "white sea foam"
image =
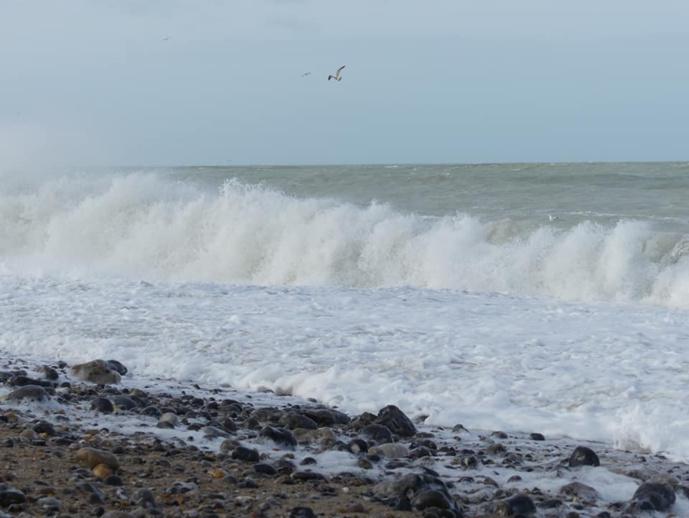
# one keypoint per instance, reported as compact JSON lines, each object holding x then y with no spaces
{"x":144,"y":226}
{"x":359,"y":306}
{"x":602,"y":372}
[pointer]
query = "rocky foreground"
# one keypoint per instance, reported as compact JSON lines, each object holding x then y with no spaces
{"x":91,"y":440}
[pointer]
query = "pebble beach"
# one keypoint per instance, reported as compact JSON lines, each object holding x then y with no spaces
{"x":93,"y":439}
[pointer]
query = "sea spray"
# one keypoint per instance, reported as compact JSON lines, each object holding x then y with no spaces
{"x":147,"y":226}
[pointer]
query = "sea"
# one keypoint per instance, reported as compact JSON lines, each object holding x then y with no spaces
{"x":548,"y":298}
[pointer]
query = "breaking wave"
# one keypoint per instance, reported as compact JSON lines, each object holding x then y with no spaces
{"x":146,"y":226}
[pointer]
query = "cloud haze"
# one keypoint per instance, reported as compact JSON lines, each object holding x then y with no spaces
{"x":212,"y":82}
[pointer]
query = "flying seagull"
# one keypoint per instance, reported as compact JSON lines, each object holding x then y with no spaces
{"x":337,"y":76}
{"x":306,"y":74}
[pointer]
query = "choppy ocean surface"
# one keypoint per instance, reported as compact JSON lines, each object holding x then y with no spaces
{"x":549,"y":297}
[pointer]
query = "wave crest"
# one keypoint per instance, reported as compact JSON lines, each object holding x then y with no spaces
{"x":145,"y":226}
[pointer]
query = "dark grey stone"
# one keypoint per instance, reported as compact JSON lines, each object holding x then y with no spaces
{"x":245,"y":454}
{"x":654,"y":496}
{"x":21,"y":381}
{"x":10,"y":495}
{"x":396,"y":421}
{"x":44,"y":427}
{"x":49,"y":373}
{"x":28,"y":393}
{"x":357,"y":446}
{"x":293,"y":420}
{"x":124,"y":402}
{"x":378,"y":432}
{"x":307,"y":475}
{"x":582,"y":492}
{"x":152,"y":411}
{"x":583,"y":456}
{"x":279,"y":436}
{"x":326,"y":416}
{"x":117,"y":367}
{"x":520,"y":505}
{"x":265,"y":469}
{"x":431,"y":498}
{"x":101,"y":404}
{"x":212,"y":432}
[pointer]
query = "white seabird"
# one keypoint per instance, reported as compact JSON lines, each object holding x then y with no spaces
{"x":337,"y":76}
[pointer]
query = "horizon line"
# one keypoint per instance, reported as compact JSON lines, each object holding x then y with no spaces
{"x":375,"y":164}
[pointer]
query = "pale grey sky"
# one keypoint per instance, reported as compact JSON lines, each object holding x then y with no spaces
{"x":166,"y":82}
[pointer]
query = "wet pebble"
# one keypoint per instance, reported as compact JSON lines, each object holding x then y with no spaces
{"x":396,"y":421}
{"x":10,"y":495}
{"x":326,"y":416}
{"x":117,"y":367}
{"x":294,"y":420}
{"x":213,"y":432}
{"x":28,"y":393}
{"x":378,"y":432}
{"x":364,"y":464}
{"x":581,"y":492}
{"x":357,"y":446}
{"x":265,"y":469}
{"x":21,"y":381}
{"x":403,"y":492}
{"x":391,"y":450}
{"x":101,"y":404}
{"x":229,"y":425}
{"x":302,"y":512}
{"x":168,"y":420}
{"x":49,"y":373}
{"x":44,"y":427}
{"x":583,"y":456}
{"x":496,"y":449}
{"x":279,"y":436}
{"x":247,"y":483}
{"x":124,"y":403}
{"x":245,"y":454}
{"x":307,"y":475}
{"x":431,"y":498}
{"x":654,"y":496}
{"x":152,"y":411}
{"x":520,"y":505}
{"x":96,"y":371}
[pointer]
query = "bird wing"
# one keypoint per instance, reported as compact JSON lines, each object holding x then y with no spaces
{"x":340,"y":69}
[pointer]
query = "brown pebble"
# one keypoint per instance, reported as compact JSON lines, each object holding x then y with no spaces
{"x":101,"y":471}
{"x":217,"y":473}
{"x":91,"y":457}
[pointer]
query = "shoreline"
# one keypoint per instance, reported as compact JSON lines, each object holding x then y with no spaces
{"x":183,"y":450}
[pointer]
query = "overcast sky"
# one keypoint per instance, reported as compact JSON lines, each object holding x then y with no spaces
{"x":170,"y":82}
